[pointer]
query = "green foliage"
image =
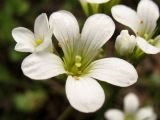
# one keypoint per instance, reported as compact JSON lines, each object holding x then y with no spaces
{"x":5,"y":75}
{"x":11,"y":8}
{"x":30,"y":100}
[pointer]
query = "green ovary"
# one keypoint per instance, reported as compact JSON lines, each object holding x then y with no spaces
{"x":130,"y":117}
{"x":74,"y":68}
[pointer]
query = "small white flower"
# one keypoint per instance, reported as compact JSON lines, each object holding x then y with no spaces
{"x":40,"y":40}
{"x":83,"y":91}
{"x":131,"y":111}
{"x":125,"y":43}
{"x":143,"y":23}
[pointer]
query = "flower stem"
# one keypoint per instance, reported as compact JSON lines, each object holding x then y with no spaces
{"x":66,"y":113}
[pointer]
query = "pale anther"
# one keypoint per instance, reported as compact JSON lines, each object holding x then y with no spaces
{"x":78,"y":58}
{"x":76,"y":77}
{"x":146,"y":36}
{"x":78,"y":65}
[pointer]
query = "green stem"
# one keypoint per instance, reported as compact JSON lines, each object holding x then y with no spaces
{"x":95,"y":8}
{"x":66,"y":113}
{"x":85,"y":7}
{"x":137,"y":56}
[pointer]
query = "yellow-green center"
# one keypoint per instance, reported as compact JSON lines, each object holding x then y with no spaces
{"x":39,"y":41}
{"x":75,"y":67}
{"x":130,"y":117}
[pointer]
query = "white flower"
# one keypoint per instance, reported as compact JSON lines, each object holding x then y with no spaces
{"x":38,"y":41}
{"x":125,"y":43}
{"x":143,"y":23}
{"x":131,"y":111}
{"x":83,"y":91}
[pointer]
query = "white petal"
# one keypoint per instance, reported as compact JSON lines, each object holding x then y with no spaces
{"x":148,"y":12}
{"x":114,"y":114}
{"x":41,"y":26}
{"x":157,"y":41}
{"x":41,"y":66}
{"x":66,"y":29}
{"x":126,"y":16}
{"x":131,"y":103}
{"x":157,"y":38}
{"x":114,"y":71}
{"x":97,"y":1}
{"x":85,"y":95}
{"x":24,"y":38}
{"x":97,"y":30}
{"x":146,"y":113}
{"x":146,"y":47}
{"x":24,"y":48}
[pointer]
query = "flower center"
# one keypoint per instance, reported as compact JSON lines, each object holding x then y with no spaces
{"x":75,"y":67}
{"x":130,"y":117}
{"x":39,"y":41}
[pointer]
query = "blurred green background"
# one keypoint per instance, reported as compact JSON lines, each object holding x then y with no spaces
{"x":24,"y":99}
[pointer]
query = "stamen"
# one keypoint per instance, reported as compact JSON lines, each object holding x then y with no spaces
{"x":39,"y":41}
{"x":141,"y":22}
{"x":76,"y":77}
{"x":78,"y":65}
{"x":146,"y":36}
{"x":69,"y":73}
{"x":78,"y":58}
{"x":75,"y":68}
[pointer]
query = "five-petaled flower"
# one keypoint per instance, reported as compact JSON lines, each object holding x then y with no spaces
{"x":143,"y":23}
{"x":39,"y":41}
{"x":131,"y":111}
{"x":83,"y":91}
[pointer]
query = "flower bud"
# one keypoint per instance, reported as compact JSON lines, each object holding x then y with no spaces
{"x":125,"y":43}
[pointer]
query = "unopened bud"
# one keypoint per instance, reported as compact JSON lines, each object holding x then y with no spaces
{"x":125,"y":43}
